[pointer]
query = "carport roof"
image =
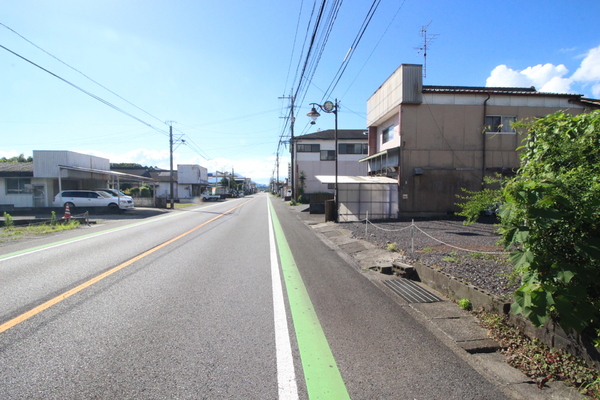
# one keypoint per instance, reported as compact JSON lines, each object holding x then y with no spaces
{"x":105,"y":172}
{"x":357,"y":179}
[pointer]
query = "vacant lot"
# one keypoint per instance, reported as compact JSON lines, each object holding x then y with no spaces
{"x":470,"y":253}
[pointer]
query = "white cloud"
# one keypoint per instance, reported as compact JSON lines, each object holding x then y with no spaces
{"x":540,"y":75}
{"x":502,"y":76}
{"x":590,"y":67}
{"x":141,"y":156}
{"x":557,"y":85}
{"x":546,"y":77}
{"x":552,"y":78}
{"x":589,"y":71}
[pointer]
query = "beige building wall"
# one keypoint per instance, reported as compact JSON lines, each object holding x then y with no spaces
{"x":444,"y":144}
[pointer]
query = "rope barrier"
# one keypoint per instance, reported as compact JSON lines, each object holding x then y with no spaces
{"x":414,"y":226}
{"x":456,"y":247}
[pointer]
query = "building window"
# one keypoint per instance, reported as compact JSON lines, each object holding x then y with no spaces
{"x":331,"y":186}
{"x":18,"y":186}
{"x":327,"y":155}
{"x":308,"y":148}
{"x":388,"y":134}
{"x":499,"y":124}
{"x":354,"y":148}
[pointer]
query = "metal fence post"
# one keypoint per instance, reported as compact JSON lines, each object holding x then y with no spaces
{"x":412,"y":237}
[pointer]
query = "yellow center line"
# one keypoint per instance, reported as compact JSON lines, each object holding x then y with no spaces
{"x":36,"y":310}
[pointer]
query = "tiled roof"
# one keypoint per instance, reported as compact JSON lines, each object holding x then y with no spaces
{"x":494,"y":90}
{"x":8,"y":169}
{"x":163,"y":176}
{"x":329,"y":134}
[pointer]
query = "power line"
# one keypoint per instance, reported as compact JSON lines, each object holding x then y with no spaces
{"x":76,"y":70}
{"x":105,"y":102}
{"x":353,"y":47}
{"x":375,"y":47}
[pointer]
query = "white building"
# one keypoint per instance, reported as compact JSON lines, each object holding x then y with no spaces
{"x":314,"y":154}
{"x":35,"y":184}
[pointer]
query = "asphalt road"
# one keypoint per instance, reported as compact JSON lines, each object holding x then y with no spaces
{"x":189,"y":305}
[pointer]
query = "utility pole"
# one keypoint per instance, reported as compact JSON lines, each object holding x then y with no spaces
{"x":293,"y":169}
{"x":171,"y":163}
{"x":292,"y":150}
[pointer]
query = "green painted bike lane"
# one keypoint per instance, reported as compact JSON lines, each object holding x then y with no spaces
{"x":323,"y":379}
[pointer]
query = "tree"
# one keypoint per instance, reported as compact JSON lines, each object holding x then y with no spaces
{"x":126,"y":165}
{"x":476,"y":202}
{"x":550,"y":217}
{"x":20,"y":158}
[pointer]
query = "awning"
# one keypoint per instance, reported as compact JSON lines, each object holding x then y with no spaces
{"x":357,"y":179}
{"x":103,"y":173}
{"x":381,"y":153}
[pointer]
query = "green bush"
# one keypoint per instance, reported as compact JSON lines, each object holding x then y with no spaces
{"x":145,"y":191}
{"x":8,"y":221}
{"x":550,"y":219}
{"x":465,"y":304}
{"x":135,"y":191}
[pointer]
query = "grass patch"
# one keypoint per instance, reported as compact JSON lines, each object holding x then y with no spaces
{"x":184,"y":205}
{"x":451,"y":257}
{"x":17,"y":232}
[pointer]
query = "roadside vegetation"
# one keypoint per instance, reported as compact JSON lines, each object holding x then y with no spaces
{"x":538,"y":361}
{"x":549,"y":219}
{"x":12,"y":231}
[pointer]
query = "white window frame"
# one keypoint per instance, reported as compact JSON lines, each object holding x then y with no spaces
{"x":23,"y":186}
{"x":503,"y":127}
{"x":359,"y":148}
{"x":387,"y":133}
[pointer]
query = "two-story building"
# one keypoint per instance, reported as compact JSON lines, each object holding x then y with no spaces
{"x":436,"y":140}
{"x":314,"y":154}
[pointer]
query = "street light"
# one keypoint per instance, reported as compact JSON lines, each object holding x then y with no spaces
{"x":330,"y":108}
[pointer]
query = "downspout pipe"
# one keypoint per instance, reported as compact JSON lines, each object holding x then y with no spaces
{"x":483,"y":133}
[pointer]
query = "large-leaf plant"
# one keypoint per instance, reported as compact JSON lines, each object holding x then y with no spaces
{"x":550,"y":219}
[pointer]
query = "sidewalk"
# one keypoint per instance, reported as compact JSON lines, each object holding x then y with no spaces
{"x":457,"y":328}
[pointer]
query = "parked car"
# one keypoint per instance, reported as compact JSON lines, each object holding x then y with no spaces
{"x":116,"y":193}
{"x":90,"y":198}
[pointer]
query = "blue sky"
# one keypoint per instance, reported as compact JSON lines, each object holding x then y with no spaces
{"x":219,"y":69}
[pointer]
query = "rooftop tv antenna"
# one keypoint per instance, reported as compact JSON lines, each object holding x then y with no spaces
{"x":426,"y":41}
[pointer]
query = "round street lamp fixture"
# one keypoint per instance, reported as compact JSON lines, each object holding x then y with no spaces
{"x":329,"y":107}
{"x":313,"y":114}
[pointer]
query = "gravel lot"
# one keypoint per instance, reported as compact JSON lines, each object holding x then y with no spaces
{"x":447,"y":245}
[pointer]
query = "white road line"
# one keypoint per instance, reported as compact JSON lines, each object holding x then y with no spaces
{"x":286,"y":375}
